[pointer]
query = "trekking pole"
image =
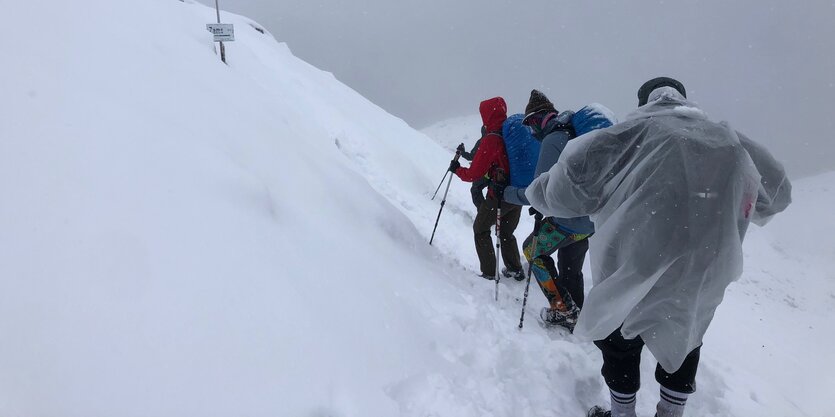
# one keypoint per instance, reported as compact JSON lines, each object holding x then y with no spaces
{"x":439,"y":185}
{"x":443,"y":202}
{"x":457,"y":152}
{"x":499,"y":197}
{"x":537,"y":224}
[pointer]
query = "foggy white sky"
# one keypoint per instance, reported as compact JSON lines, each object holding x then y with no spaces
{"x":767,"y":66}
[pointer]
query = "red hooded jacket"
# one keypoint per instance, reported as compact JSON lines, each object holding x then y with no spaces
{"x":491,"y":153}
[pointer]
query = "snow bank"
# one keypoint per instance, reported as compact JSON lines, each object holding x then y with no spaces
{"x":183,"y":237}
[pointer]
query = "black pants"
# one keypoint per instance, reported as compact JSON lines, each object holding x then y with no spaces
{"x":622,"y":366}
{"x":484,"y":220}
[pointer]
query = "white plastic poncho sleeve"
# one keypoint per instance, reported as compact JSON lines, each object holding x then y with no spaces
{"x":774,"y":193}
{"x":671,"y":195}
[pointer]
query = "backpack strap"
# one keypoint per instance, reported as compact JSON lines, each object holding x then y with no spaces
{"x":565,"y":126}
{"x":568,"y":128}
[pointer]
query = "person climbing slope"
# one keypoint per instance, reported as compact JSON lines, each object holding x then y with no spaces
{"x":672,"y":194}
{"x":562,"y":283}
{"x":491,"y":160}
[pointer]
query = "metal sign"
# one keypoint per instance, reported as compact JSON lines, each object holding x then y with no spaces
{"x":224,"y":32}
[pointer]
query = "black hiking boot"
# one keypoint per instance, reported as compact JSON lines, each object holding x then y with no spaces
{"x":517,"y":275}
{"x":487,"y":277}
{"x":598,"y":411}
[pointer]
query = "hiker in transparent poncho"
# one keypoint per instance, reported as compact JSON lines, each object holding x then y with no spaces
{"x":671,"y":194}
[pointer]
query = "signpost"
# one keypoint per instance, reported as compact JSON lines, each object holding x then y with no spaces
{"x":222,"y":32}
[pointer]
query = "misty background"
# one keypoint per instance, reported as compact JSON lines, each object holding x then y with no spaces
{"x":766,"y":66}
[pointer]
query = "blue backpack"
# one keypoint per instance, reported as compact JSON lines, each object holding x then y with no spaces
{"x":522,"y":150}
{"x":592,"y":117}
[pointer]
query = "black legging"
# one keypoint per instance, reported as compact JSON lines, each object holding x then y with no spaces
{"x":570,"y":264}
{"x":622,"y":366}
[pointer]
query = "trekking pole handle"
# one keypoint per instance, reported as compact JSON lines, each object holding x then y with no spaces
{"x":501,"y":176}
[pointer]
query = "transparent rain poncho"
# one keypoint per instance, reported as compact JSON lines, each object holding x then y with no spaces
{"x":671,"y":195}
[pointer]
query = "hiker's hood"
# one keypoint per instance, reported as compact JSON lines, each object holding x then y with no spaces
{"x":493,"y":113}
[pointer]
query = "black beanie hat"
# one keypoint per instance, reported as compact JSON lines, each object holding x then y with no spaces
{"x":538,"y":102}
{"x":649,"y":86}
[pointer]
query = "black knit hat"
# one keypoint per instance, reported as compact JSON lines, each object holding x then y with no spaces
{"x":538,"y":102}
{"x":649,"y":86}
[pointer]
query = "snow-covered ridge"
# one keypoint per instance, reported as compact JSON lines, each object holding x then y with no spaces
{"x":181,"y":237}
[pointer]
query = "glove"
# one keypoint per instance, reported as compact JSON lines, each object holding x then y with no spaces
{"x":454,"y":165}
{"x":460,"y":149}
{"x":537,"y":224}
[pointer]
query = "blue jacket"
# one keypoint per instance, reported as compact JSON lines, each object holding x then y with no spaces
{"x":553,"y":143}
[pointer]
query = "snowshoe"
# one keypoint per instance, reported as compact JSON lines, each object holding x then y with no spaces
{"x":517,"y":275}
{"x":598,"y":411}
{"x":553,"y":317}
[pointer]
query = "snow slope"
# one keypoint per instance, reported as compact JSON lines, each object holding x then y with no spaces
{"x":450,"y":132}
{"x":183,"y":237}
{"x":772,"y":336}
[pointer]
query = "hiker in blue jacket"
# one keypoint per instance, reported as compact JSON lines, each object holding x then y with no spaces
{"x":562,"y":284}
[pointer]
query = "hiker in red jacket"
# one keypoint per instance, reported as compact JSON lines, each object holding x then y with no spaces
{"x":491,"y":161}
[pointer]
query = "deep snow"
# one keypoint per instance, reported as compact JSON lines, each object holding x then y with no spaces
{"x":183,"y":237}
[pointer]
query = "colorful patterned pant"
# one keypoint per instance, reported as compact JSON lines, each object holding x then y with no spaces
{"x":567,"y":282}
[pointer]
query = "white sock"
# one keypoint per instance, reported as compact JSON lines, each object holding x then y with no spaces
{"x":623,"y":405}
{"x":671,"y":404}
